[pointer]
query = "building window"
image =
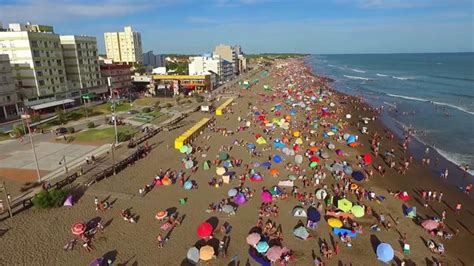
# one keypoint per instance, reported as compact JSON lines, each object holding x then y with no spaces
{"x":56,"y":45}
{"x":11,"y":110}
{"x":37,"y":63}
{"x":47,"y":54}
{"x":59,"y":62}
{"x":41,"y":82}
{"x":36,"y":53}
{"x":39,"y":73}
{"x":61,"y":79}
{"x":34,"y":44}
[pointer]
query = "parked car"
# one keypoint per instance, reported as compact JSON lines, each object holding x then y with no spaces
{"x":60,"y":131}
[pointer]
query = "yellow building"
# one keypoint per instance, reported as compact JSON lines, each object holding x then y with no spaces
{"x":124,"y":47}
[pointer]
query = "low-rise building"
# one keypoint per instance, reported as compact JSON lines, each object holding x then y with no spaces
{"x":9,"y":102}
{"x":117,"y":77}
{"x":214,"y":65}
{"x":184,"y":83}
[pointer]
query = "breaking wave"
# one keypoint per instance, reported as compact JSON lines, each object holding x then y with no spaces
{"x":462,"y":109}
{"x":356,"y":77}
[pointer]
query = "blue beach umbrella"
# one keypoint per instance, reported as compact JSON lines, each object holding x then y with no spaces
{"x":251,"y":146}
{"x":262,"y":247}
{"x":277,"y":158}
{"x":266,"y":164}
{"x":188,"y":185}
{"x":351,"y":139}
{"x":313,"y":214}
{"x":358,"y":176}
{"x":385,"y":252}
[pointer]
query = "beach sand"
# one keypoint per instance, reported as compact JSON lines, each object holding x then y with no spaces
{"x":37,"y":237}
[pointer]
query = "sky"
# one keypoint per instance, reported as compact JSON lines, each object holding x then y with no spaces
{"x":272,"y":26}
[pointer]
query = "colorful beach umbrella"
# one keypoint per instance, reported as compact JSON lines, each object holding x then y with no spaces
{"x":334,"y":223}
{"x":430,"y":224}
{"x":206,"y":253}
{"x":204,"y":230}
{"x":253,"y":239}
{"x":232,"y":192}
{"x":358,"y":176}
{"x":193,"y":255}
{"x":220,"y":170}
{"x":367,"y":158}
{"x":78,"y":228}
{"x":344,"y":205}
{"x":161,"y":215}
{"x":274,"y":253}
{"x":183,"y":149}
{"x":313,"y":214}
{"x":240,"y":199}
{"x":358,"y":211}
{"x":188,"y":185}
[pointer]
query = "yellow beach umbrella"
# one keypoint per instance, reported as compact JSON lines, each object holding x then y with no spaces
{"x":334,"y":223}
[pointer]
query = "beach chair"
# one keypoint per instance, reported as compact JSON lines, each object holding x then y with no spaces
{"x":406,"y":249}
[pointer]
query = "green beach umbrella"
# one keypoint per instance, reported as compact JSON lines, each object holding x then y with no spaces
{"x":344,"y":205}
{"x":313,"y":164}
{"x":223,"y":156}
{"x":183,"y":149}
{"x":358,"y":211}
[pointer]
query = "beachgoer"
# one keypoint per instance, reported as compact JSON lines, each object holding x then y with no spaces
{"x":458,"y":208}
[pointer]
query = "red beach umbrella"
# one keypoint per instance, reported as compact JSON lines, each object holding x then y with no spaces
{"x":78,"y":228}
{"x":367,"y":158}
{"x":204,"y":230}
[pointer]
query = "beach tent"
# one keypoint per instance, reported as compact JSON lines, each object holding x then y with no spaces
{"x":274,"y":253}
{"x":321,"y":194}
{"x":301,"y":233}
{"x":266,"y":196}
{"x":344,"y":231}
{"x":206,"y":165}
{"x":223,"y":156}
{"x":253,"y":239}
{"x":240,"y":199}
{"x":344,"y":205}
{"x":410,"y":212}
{"x":358,"y":176}
{"x":256,"y":177}
{"x":68,"y":202}
{"x":193,"y":255}
{"x":261,"y":141}
{"x":299,"y":212}
{"x":206,"y":253}
{"x":286,"y":183}
{"x":313,"y":214}
{"x":276,"y":191}
{"x":204,"y":230}
{"x":385,"y":252}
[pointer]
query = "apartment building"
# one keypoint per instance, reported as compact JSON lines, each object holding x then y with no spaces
{"x":207,"y":64}
{"x":82,"y":64}
{"x":37,"y":62}
{"x":9,"y":103}
{"x":232,"y":54}
{"x":124,"y":47}
{"x":154,"y":60}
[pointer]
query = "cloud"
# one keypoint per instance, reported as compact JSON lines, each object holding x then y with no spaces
{"x":46,"y":11}
{"x":379,"y":4}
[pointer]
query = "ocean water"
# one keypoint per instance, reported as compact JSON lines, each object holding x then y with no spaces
{"x":430,"y":93}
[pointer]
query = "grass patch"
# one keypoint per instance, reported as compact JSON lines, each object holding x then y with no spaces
{"x":106,"y":108}
{"x":106,"y":134}
{"x":4,"y":136}
{"x":151,"y":101}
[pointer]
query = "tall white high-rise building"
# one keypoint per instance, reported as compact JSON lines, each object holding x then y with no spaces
{"x":37,"y":61}
{"x":124,"y":47}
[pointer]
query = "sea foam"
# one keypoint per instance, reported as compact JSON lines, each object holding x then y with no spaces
{"x":460,"y":108}
{"x":355,"y":77}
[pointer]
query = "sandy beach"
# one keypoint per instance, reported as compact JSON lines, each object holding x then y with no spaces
{"x":37,"y":237}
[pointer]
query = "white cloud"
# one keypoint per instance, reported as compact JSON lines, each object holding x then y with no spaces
{"x":46,"y":11}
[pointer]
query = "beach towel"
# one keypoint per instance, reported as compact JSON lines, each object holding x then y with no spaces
{"x":166,"y":226}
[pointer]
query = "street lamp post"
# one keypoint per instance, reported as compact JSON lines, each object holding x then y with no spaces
{"x":27,"y":117}
{"x":63,"y":159}
{"x":109,"y":82}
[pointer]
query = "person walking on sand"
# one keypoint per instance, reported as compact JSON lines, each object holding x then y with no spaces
{"x":458,"y":208}
{"x":440,"y":196}
{"x":96,"y":203}
{"x":160,"y":241}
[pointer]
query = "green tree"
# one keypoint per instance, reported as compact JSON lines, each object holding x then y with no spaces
{"x":61,"y":116}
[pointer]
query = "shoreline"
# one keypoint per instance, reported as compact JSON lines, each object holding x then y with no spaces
{"x":457,"y":177}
